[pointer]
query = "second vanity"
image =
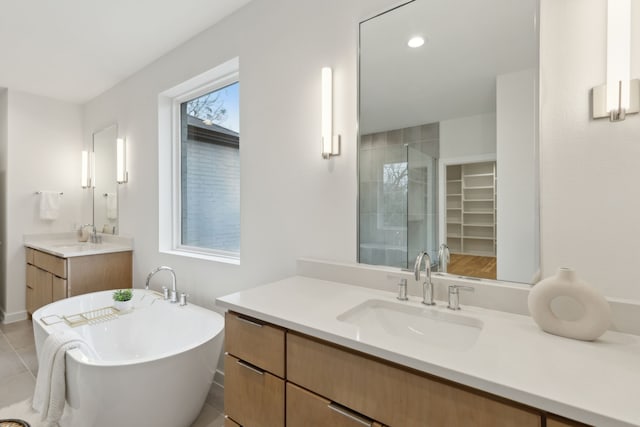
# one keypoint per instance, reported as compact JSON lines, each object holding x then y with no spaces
{"x":328,"y":353}
{"x":58,"y":266}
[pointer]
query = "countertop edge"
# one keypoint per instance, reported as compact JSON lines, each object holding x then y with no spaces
{"x":74,"y":254}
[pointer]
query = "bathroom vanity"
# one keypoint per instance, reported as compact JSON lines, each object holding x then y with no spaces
{"x":322,"y":384}
{"x":304,"y":351}
{"x":59,"y":267}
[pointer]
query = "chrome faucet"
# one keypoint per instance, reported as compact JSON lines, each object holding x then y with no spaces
{"x":427,"y":285}
{"x":94,"y":235}
{"x":444,"y":257}
{"x":173,"y":295}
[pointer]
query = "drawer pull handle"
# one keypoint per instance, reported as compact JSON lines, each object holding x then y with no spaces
{"x":250,"y":367}
{"x":250,"y":322}
{"x":349,"y":414}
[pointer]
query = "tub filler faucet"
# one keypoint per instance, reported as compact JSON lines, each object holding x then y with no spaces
{"x":171,"y":295}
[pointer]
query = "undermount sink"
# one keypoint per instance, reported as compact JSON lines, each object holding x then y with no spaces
{"x":75,"y":246}
{"x":416,"y":325}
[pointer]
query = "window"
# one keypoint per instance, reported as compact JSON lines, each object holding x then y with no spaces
{"x":199,"y":142}
{"x":394,"y":195}
{"x":210,"y":171}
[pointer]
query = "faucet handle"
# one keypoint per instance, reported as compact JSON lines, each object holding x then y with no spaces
{"x":183,"y":299}
{"x":402,"y":290}
{"x":165,"y":293}
{"x":454,"y":295}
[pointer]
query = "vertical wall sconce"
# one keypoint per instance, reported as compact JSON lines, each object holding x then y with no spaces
{"x":92,"y":169}
{"x":620,"y":95}
{"x":122,"y":176}
{"x":330,"y":143}
{"x":85,"y":177}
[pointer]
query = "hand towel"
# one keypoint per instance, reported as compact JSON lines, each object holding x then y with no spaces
{"x":112,"y":205}
{"x":50,"y":202}
{"x":50,"y":392}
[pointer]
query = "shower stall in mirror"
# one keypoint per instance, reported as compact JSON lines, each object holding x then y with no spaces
{"x":398,"y":195}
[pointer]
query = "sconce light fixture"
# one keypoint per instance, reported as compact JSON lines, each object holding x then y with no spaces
{"x":122,"y":176}
{"x":85,"y":177}
{"x":330,"y":143}
{"x":620,"y":96}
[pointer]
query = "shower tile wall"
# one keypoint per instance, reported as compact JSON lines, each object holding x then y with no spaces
{"x":395,"y":223}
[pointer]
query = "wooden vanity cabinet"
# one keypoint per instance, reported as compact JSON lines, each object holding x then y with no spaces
{"x":51,"y":278}
{"x":254,"y":392}
{"x":278,"y":377}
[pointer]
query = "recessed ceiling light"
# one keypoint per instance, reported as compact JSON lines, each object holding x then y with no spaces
{"x":416,"y":41}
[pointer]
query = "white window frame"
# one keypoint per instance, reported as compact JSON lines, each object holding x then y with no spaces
{"x":169,"y":158}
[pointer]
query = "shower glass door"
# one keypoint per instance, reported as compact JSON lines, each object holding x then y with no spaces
{"x":398,"y":199}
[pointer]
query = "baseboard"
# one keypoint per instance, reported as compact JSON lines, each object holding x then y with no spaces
{"x":17,"y":316}
{"x":218,"y":378}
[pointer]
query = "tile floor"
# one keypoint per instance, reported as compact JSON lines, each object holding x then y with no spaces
{"x":19,"y":367}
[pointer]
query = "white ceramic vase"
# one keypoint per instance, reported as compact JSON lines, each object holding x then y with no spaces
{"x":595,"y":318}
{"x":123,"y":306}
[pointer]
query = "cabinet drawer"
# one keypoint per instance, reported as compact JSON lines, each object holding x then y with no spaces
{"x":252,"y":397}
{"x":554,"y":421}
{"x":51,"y":263}
{"x":31,"y":300}
{"x":310,"y":410}
{"x":59,"y":288}
{"x":31,"y":276}
{"x":39,"y":288}
{"x":254,"y":341}
{"x":392,"y":395}
{"x":228,"y":422}
{"x":29,"y":253}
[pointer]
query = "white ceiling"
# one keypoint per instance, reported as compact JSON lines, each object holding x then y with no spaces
{"x":469,"y":43}
{"x":74,"y":50}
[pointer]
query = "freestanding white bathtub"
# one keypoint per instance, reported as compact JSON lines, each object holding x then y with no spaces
{"x":154,"y":367}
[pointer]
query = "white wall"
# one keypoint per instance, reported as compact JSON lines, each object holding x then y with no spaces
{"x":293,"y":203}
{"x":468,"y":136}
{"x":590,"y":178}
{"x":517,"y":210}
{"x":44,"y":143}
{"x":296,"y":204}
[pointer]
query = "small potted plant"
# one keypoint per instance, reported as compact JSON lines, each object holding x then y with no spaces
{"x":122,"y":299}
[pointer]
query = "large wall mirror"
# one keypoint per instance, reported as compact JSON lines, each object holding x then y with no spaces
{"x":448,"y":127}
{"x":105,"y":188}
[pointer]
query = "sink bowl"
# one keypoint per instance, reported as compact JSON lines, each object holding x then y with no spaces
{"x":414,"y":325}
{"x":72,"y":246}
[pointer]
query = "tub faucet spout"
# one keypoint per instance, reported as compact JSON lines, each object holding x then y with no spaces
{"x":173,"y":294}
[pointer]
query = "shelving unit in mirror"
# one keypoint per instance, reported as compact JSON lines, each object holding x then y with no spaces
{"x":471,"y":208}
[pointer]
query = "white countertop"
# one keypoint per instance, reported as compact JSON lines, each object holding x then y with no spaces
{"x":596,"y":382}
{"x":66,"y":245}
